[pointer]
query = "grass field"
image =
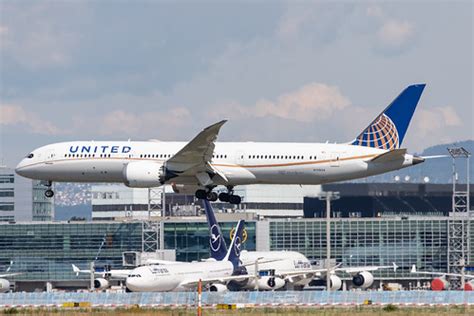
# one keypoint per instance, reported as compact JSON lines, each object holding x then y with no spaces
{"x":357,"y":311}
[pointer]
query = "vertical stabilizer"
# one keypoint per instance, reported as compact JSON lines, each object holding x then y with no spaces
{"x":216,"y":239}
{"x":389,"y":128}
{"x":233,"y":254}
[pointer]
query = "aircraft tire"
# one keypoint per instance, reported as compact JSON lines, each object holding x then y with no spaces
{"x":49,"y":193}
{"x":224,"y":197}
{"x":212,"y":196}
{"x":235,"y":199}
{"x":201,"y":194}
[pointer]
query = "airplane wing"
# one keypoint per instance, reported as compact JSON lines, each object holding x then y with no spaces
{"x":321,"y":271}
{"x":355,"y":270}
{"x":6,"y":275}
{"x":121,"y":274}
{"x":195,"y":157}
{"x":413,"y":270}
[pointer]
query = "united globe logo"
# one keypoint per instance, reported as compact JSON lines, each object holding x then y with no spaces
{"x":382,"y":133}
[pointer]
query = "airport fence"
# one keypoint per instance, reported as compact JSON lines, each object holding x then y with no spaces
{"x":243,"y":299}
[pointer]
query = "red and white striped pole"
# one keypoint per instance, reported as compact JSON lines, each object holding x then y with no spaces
{"x":199,"y":311}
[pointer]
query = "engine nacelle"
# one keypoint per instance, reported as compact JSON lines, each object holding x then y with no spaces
{"x":218,"y":288}
{"x":4,"y":285}
{"x":335,"y":282}
{"x":101,"y":284}
{"x":270,"y":283}
{"x":439,"y":284}
{"x":363,"y":279}
{"x":142,"y":174}
{"x":469,"y":286}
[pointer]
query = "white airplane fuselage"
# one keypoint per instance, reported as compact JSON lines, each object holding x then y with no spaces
{"x":175,"y":277}
{"x":240,"y":162}
{"x":280,"y":261}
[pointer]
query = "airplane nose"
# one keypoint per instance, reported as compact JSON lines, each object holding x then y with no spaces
{"x":19,"y":169}
{"x":131,"y":284}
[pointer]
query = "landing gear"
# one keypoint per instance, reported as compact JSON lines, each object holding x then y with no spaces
{"x":229,"y":196}
{"x":49,"y":193}
{"x":235,"y":199}
{"x":223,"y":197}
{"x":212,"y":196}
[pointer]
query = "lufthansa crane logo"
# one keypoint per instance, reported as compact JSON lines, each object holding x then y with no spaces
{"x":237,"y":246}
{"x":244,"y":234}
{"x":215,"y":238}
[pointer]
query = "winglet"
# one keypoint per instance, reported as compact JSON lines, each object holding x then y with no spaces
{"x":233,"y":253}
{"x":388,"y":129}
{"x":216,"y":239}
{"x":395,"y":267}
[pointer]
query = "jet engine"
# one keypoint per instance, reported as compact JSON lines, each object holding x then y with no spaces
{"x":4,"y":285}
{"x":363,"y":279}
{"x":101,"y":284}
{"x":270,"y":283}
{"x":335,"y":283}
{"x":142,"y":174}
{"x":469,"y":286}
{"x":218,"y":288}
{"x":439,"y":284}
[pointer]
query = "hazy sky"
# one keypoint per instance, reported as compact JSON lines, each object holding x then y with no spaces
{"x":286,"y":71}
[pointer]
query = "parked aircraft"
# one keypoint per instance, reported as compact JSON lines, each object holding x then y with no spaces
{"x":4,"y":283}
{"x":277,"y":269}
{"x":185,"y":276}
{"x":441,"y":283}
{"x":202,"y":164}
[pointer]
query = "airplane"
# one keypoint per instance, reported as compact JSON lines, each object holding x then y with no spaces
{"x":202,"y":164}
{"x":277,"y":269}
{"x":440,"y":284}
{"x":103,"y":281}
{"x":4,"y":283}
{"x":186,"y":276}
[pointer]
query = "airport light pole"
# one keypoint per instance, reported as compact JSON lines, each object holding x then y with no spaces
{"x":328,"y":196}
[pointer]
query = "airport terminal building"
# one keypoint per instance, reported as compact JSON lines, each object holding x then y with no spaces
{"x":406,"y":233}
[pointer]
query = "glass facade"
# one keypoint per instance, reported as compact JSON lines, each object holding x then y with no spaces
{"x":43,"y":208}
{"x":356,"y":242}
{"x":191,"y":239}
{"x":45,"y":252}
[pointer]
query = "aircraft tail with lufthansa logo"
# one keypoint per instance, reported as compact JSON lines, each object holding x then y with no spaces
{"x":388,"y":129}
{"x":233,"y":253}
{"x":216,"y":238}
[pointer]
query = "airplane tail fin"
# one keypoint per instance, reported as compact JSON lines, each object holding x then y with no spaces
{"x":233,"y":254}
{"x":216,"y":239}
{"x":389,"y":127}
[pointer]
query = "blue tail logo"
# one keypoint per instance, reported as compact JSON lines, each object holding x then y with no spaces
{"x":216,"y":239}
{"x":389,"y":128}
{"x":233,"y":254}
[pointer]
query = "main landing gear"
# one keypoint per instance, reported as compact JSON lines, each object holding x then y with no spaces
{"x":49,"y":193}
{"x":223,"y":197}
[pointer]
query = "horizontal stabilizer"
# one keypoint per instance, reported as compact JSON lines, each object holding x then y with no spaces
{"x":396,"y":154}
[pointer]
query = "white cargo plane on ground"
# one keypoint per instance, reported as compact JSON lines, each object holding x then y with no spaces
{"x":202,"y":164}
{"x":184,"y":276}
{"x":276,"y":269}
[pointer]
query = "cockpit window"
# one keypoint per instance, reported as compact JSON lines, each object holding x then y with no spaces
{"x":30,"y":155}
